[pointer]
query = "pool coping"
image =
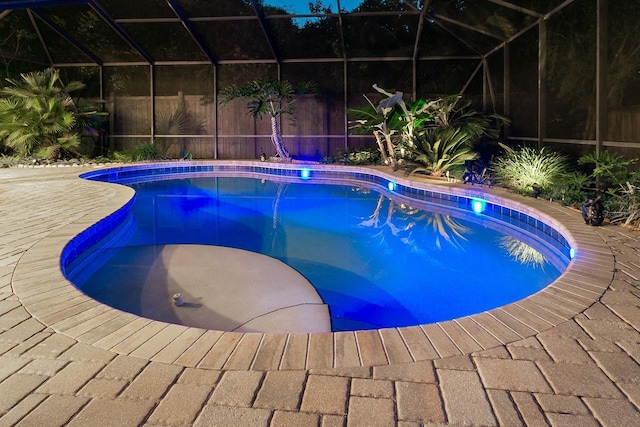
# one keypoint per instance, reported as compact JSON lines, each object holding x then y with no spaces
{"x":59,"y":305}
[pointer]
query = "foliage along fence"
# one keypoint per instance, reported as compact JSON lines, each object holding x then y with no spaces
{"x":316,"y":130}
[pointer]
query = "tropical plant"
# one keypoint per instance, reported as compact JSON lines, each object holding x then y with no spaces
{"x":428,"y":136}
{"x":529,"y":170}
{"x":392,"y":123}
{"x":448,"y":141}
{"x":270,"y":97}
{"x":609,"y":170}
{"x":454,"y":112}
{"x":8,"y":161}
{"x":363,"y":156}
{"x":38,"y":116}
{"x":571,"y":189}
{"x":439,"y":149}
{"x":381,"y":121}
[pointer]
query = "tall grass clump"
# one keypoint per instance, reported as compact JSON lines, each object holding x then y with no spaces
{"x":146,"y":151}
{"x":529,"y":171}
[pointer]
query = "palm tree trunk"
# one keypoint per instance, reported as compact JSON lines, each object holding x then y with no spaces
{"x":276,"y":139}
{"x":391,"y":151}
{"x":383,"y":151}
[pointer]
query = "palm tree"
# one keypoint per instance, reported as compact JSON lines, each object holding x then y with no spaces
{"x":38,"y":116}
{"x":267,"y":97}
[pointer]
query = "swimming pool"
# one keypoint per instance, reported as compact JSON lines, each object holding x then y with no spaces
{"x":365,"y":288}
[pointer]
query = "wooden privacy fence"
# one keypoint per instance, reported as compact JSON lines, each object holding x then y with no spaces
{"x":624,"y":124}
{"x":315,"y":130}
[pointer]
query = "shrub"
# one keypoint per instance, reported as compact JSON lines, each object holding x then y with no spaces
{"x":622,"y":206}
{"x":448,"y":141}
{"x":571,"y":189}
{"x":138,"y":153}
{"x":439,"y":149}
{"x":38,"y":116}
{"x":610,"y":170}
{"x":356,"y":156}
{"x":528,"y":170}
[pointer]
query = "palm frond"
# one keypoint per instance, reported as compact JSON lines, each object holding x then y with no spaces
{"x":37,"y":110}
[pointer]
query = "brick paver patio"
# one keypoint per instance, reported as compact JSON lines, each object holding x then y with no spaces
{"x":568,"y":357}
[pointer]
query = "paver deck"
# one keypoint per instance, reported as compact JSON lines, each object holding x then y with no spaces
{"x":567,"y":356}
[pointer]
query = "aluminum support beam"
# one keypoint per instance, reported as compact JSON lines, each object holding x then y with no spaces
{"x":265,"y":31}
{"x":416,"y":45}
{"x":152,"y":94}
{"x":32,"y":4}
{"x":192,"y":33}
{"x":68,"y":37}
{"x":542,"y":82}
{"x":118,"y":29}
{"x":506,"y":108}
{"x":39,"y":34}
{"x":601,"y":76}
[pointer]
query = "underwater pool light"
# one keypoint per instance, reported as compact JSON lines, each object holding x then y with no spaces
{"x":391,"y":186}
{"x":572,"y":253}
{"x":305,"y":173}
{"x":478,"y":205}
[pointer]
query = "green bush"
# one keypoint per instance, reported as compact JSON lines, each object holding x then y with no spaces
{"x":608,"y":170}
{"x":364,"y":156}
{"x":39,"y":117}
{"x":357,"y":156}
{"x":571,"y":189}
{"x":138,"y":153}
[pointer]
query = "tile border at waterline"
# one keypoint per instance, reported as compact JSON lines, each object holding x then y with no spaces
{"x":59,"y":305}
{"x":411,"y":189}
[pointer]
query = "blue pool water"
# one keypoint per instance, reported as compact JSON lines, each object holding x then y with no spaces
{"x":377,"y":260}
